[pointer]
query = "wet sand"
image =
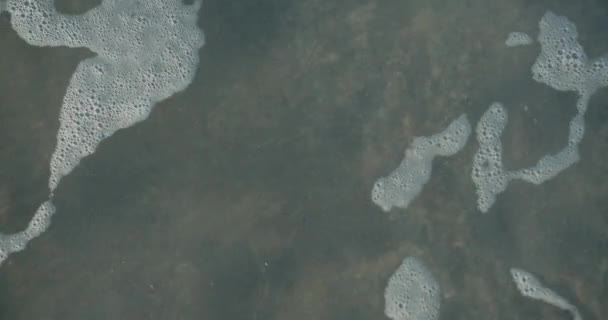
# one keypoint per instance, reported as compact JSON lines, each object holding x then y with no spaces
{"x":246,"y":196}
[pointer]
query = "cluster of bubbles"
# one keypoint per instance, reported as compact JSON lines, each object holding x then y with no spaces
{"x":146,"y":51}
{"x":15,"y":242}
{"x":412,"y":293}
{"x":563,"y":65}
{"x":400,"y":187}
{"x":516,"y":39}
{"x":489,"y":175}
{"x":530,"y":287}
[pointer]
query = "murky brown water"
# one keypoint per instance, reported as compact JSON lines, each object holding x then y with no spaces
{"x":247,"y":195}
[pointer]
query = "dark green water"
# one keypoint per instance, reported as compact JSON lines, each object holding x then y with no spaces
{"x":246,"y":196}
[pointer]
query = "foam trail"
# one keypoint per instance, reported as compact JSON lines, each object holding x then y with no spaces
{"x":403,"y":185}
{"x":563,"y":65}
{"x":146,"y":52}
{"x":529,"y":286}
{"x":16,"y":242}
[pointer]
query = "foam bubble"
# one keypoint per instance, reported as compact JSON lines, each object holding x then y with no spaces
{"x":401,"y":186}
{"x":133,"y":69}
{"x":563,"y":65}
{"x":529,"y":286}
{"x":516,"y":39}
{"x":146,"y":52}
{"x":488,"y":173}
{"x":412,"y":293}
{"x":10,"y":243}
{"x":561,"y":60}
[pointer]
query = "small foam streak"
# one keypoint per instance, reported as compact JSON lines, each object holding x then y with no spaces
{"x":529,"y":286}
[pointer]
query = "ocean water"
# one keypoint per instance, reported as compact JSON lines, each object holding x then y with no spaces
{"x":247,"y":195}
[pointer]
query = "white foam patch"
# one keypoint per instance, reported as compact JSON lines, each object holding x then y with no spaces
{"x":146,"y":52}
{"x":529,"y":286}
{"x":563,"y":65}
{"x":15,"y":242}
{"x":516,"y":39}
{"x":488,"y":173}
{"x":399,"y":188}
{"x":412,"y":293}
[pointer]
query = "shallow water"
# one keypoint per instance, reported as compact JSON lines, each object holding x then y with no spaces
{"x":247,"y":196}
